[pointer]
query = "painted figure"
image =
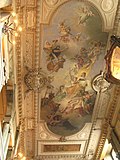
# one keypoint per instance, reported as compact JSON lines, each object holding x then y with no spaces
{"x":83,"y":14}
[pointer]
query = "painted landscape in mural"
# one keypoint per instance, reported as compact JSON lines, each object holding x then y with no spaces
{"x":73,"y":53}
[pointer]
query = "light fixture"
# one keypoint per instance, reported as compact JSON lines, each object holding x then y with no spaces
{"x":11,"y":28}
{"x":13,"y":14}
{"x":19,"y":156}
{"x":112,"y":72}
{"x":20,"y":28}
{"x":24,"y":158}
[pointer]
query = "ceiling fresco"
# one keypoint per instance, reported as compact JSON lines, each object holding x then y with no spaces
{"x":73,"y":52}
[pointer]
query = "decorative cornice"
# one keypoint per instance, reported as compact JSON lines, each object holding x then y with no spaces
{"x":113,"y":104}
{"x":24,"y":10}
{"x":58,"y":157}
{"x":37,"y":60}
{"x":19,"y":79}
{"x":107,"y":121}
{"x":116,"y":29}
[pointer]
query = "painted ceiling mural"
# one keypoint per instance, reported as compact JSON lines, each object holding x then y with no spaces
{"x":72,"y":55}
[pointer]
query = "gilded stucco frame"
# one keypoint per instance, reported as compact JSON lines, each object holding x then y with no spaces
{"x":115,"y":42}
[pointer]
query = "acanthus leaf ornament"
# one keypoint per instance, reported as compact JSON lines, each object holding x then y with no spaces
{"x":35,"y":79}
{"x":99,"y":84}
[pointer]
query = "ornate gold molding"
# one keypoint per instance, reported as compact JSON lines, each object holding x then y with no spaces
{"x":37,"y":65}
{"x":24,"y":11}
{"x":116,"y":29}
{"x":107,"y":122}
{"x":19,"y":78}
{"x":113,"y":104}
{"x":57,"y":157}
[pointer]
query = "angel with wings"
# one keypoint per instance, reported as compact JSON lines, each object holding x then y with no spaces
{"x":83,"y":14}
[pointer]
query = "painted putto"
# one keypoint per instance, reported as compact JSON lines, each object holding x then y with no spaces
{"x":72,"y":55}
